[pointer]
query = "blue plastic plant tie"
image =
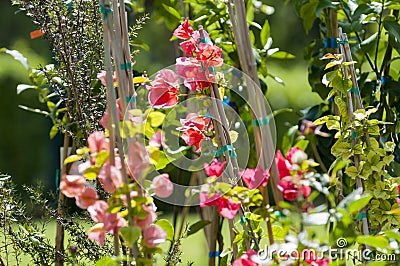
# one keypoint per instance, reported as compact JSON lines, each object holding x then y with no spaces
{"x":384,"y":80}
{"x":105,"y":10}
{"x":207,"y":115}
{"x":57,"y":180}
{"x":242,"y":220}
{"x":354,"y":135}
{"x":355,"y":90}
{"x":229,"y":148}
{"x":260,"y":122}
{"x":126,"y":66}
{"x":330,"y":43}
{"x":131,"y":99}
{"x":214,"y":254}
{"x":343,"y":42}
{"x":361,"y":215}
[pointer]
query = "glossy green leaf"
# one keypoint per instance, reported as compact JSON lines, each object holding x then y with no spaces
{"x":359,"y":203}
{"x":24,"y":87}
{"x":130,"y":234}
{"x":53,"y":131}
{"x":156,"y":118}
{"x":265,"y":33}
{"x":172,"y":11}
{"x":17,"y":56}
{"x":197,"y":226}
{"x":167,"y":227}
{"x":374,"y":241}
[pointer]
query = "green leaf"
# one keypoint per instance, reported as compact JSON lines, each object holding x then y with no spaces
{"x":156,"y":118}
{"x":72,"y":158}
{"x":265,"y":33}
{"x":250,"y":11}
{"x":106,"y":261}
{"x":307,"y":13}
{"x":130,"y":234}
{"x":282,"y":55}
{"x":17,"y":56}
{"x":167,"y":227}
{"x":194,"y":228}
{"x":23,"y":87}
{"x":233,"y":135}
{"x":393,"y":28}
{"x":302,"y":144}
{"x":352,"y":172}
{"x":374,"y":241}
{"x":172,"y":11}
{"x":359,"y":204}
{"x":53,"y":131}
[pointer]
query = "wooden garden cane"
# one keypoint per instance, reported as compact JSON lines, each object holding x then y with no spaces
{"x":114,"y":129}
{"x":352,"y":106}
{"x":265,"y":147}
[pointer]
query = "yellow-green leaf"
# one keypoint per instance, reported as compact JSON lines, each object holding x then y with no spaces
{"x":156,"y":118}
{"x":72,"y":158}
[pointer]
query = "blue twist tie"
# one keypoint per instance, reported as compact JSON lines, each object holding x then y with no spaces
{"x":355,"y":90}
{"x":229,"y":148}
{"x":343,"y":42}
{"x":105,"y":10}
{"x":57,"y":180}
{"x":126,"y":66}
{"x":130,"y":99}
{"x":242,"y":220}
{"x":361,"y":215}
{"x":214,"y":254}
{"x":207,"y":115}
{"x":384,"y":80}
{"x":260,"y":122}
{"x":330,"y":43}
{"x":353,"y":135}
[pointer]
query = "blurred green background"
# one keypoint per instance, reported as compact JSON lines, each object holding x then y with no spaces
{"x":27,"y":153}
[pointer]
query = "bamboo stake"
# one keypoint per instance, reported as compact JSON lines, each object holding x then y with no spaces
{"x":111,"y":99}
{"x":348,"y":58}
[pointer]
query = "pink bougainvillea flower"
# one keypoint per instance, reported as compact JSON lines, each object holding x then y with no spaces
{"x":138,"y":160}
{"x":184,"y":31}
{"x":205,"y":200}
{"x":87,"y":198}
{"x":245,"y":259}
{"x":110,"y":177}
{"x":188,"y":47}
{"x":311,"y":258}
{"x":306,"y":190}
{"x":72,"y":185}
{"x":194,"y":120}
{"x":289,"y":189}
{"x":284,"y":166}
{"x":97,"y":233}
{"x":111,"y":221}
{"x":164,"y":89}
{"x":102,"y":76}
{"x":189,"y":68}
{"x":154,"y":235}
{"x":104,"y":118}
{"x":149,"y":219}
{"x":97,"y":211}
{"x":97,"y":141}
{"x":210,"y":54}
{"x":227,"y":207}
{"x":162,"y":186}
{"x":157,"y":139}
{"x":296,"y":155}
{"x":215,"y":168}
{"x":193,"y":137}
{"x":255,"y":177}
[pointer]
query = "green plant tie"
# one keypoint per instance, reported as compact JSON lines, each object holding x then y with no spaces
{"x":130,"y":99}
{"x":229,"y":148}
{"x":343,"y":41}
{"x":242,"y":220}
{"x":260,"y":122}
{"x":355,"y":90}
{"x":353,"y":135}
{"x":126,"y":66}
{"x":361,"y":215}
{"x":105,"y":10}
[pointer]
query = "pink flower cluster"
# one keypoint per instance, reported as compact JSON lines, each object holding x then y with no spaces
{"x":194,"y":127}
{"x":110,"y":176}
{"x":164,"y":89}
{"x":202,"y":54}
{"x":290,"y":175}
